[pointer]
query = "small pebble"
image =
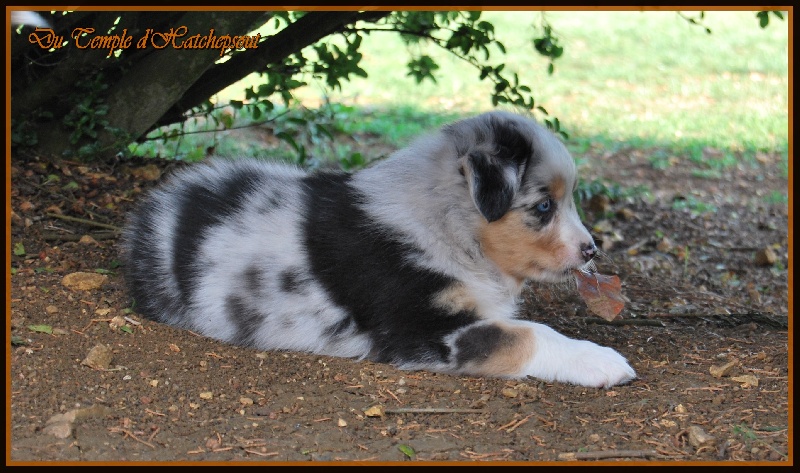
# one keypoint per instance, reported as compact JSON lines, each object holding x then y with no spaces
{"x":99,"y":357}
{"x":765,"y":257}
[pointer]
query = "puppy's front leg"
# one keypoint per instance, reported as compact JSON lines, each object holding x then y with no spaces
{"x":518,"y":349}
{"x":560,"y":358}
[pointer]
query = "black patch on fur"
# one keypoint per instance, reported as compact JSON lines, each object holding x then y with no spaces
{"x":493,"y":193}
{"x":292,"y":281}
{"x":514,"y":147}
{"x":272,"y":201}
{"x":476,"y":344}
{"x":341,"y":327}
{"x":252,"y":280}
{"x":199,"y":209}
{"x":511,"y":150}
{"x":148,"y":300}
{"x":365,"y":270}
{"x":246,"y":319}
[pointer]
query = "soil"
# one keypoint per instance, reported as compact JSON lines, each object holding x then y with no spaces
{"x":706,"y":328}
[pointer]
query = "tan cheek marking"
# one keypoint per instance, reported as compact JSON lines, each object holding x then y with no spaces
{"x":511,"y":357}
{"x":456,"y":298}
{"x":519,"y":251}
{"x":557,"y":188}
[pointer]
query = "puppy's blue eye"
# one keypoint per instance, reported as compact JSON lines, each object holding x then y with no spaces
{"x":544,"y":206}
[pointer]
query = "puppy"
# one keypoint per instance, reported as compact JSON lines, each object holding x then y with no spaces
{"x":417,"y":261}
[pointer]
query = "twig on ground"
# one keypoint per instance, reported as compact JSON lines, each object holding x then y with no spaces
{"x":395,"y":397}
{"x":432,"y":410}
{"x":129,"y":434}
{"x":90,"y":324}
{"x":155,"y":413}
{"x":708,"y":388}
{"x":481,"y":456}
{"x":261,"y":454}
{"x":765,"y":319}
{"x":607,"y":454}
{"x":647,"y":322}
{"x":99,"y":236}
{"x":512,"y":426}
{"x":85,"y":222}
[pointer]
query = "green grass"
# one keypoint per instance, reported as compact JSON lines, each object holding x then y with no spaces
{"x":776,"y":198}
{"x":627,"y":78}
{"x":395,"y":125}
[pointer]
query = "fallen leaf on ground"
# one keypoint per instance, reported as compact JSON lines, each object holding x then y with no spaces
{"x":84,"y":281}
{"x":375,"y":411}
{"x":699,"y":438}
{"x":88,"y":240}
{"x":509,"y":392}
{"x":150,"y":172}
{"x":407,"y":451}
{"x":747,"y":380}
{"x":41,"y":328}
{"x":603,"y":294}
{"x":724,"y":370}
{"x":117,"y":322}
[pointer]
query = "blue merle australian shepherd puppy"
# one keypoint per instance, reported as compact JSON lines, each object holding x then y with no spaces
{"x":417,"y":261}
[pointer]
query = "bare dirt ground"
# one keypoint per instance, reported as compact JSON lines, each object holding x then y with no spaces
{"x":706,"y":329}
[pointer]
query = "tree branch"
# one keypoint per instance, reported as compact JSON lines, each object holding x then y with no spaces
{"x":307,"y":30}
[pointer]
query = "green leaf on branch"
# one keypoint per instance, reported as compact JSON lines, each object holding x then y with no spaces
{"x":422,"y":68}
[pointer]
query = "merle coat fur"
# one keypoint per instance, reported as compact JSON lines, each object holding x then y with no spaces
{"x":417,"y":261}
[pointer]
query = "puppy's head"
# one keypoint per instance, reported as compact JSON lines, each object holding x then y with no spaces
{"x":521,"y":179}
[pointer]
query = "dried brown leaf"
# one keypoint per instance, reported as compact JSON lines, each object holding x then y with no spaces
{"x":602,"y":294}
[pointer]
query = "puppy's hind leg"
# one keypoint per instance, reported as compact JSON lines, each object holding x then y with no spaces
{"x":516,"y":349}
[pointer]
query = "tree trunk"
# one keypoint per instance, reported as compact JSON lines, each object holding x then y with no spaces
{"x":153,"y":85}
{"x":146,"y":88}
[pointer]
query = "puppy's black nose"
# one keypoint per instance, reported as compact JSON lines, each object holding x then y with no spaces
{"x":588,"y":250}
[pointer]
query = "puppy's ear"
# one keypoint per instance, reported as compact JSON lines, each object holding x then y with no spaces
{"x":493,"y":182}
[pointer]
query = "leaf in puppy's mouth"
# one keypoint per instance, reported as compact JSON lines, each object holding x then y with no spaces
{"x":602,"y":294}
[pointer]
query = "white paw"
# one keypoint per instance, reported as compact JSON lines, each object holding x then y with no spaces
{"x":558,"y":358}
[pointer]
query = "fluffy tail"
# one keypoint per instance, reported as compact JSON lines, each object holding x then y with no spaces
{"x":28,"y":18}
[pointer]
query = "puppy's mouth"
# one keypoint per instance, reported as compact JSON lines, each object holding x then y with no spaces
{"x":557,"y":276}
